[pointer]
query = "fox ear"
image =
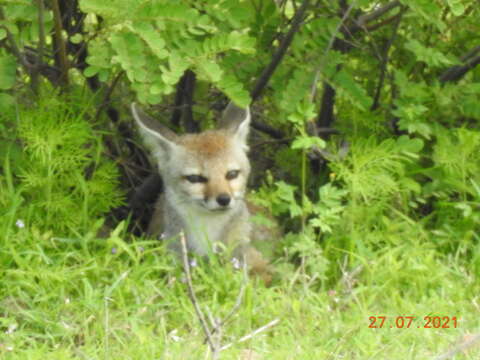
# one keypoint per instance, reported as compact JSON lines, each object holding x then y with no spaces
{"x":236,"y":120}
{"x":160,"y":139}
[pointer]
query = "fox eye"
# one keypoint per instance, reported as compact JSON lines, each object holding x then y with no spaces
{"x":232,"y":174}
{"x":195,"y":178}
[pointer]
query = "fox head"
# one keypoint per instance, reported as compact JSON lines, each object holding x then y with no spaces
{"x":207,"y":171}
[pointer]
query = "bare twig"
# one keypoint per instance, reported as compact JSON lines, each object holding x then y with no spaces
{"x":280,"y":53}
{"x":252,"y":334}
{"x":193,"y":297}
{"x":460,"y":348}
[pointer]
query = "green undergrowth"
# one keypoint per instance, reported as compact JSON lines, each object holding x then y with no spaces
{"x":362,"y":250}
{"x":90,"y":298}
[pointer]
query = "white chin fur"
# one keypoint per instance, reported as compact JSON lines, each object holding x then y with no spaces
{"x":212,"y":205}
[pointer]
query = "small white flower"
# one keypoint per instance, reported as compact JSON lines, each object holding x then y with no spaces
{"x":11,"y":329}
{"x":20,"y":224}
{"x":193,"y":263}
{"x":236,"y":263}
{"x":173,"y":335}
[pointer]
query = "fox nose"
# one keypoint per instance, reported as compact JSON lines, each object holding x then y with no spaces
{"x":223,"y":199}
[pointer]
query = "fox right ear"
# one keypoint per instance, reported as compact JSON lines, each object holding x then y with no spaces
{"x":236,"y":120}
{"x":159,"y":138}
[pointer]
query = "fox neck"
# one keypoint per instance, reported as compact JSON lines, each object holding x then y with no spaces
{"x":203,"y":228}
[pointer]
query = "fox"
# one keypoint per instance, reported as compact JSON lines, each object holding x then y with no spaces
{"x":205,"y":179}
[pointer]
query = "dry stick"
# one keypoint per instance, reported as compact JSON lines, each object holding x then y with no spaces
{"x":217,"y":337}
{"x":252,"y":334}
{"x":461,"y":347}
{"x":192,"y":296}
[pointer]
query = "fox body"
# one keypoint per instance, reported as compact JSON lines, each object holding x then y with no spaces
{"x":205,"y":177}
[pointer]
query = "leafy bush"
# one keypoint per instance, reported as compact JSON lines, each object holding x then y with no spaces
{"x":63,"y":174}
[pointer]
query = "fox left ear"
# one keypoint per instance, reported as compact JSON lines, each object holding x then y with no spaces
{"x":236,"y":120}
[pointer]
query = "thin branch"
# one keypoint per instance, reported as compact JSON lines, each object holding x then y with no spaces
{"x":108,"y":94}
{"x":41,"y":32}
{"x":267,"y":129}
{"x":383,"y":66}
{"x":326,"y":115}
{"x":252,"y":334}
{"x":460,"y":348}
{"x":470,"y":54}
{"x":13,"y":45}
{"x":280,"y":53}
{"x":60,"y":44}
{"x":387,"y":21}
{"x":456,"y":72}
{"x":192,"y":296}
{"x":366,"y":18}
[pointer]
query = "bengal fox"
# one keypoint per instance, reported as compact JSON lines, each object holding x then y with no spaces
{"x":205,"y":177}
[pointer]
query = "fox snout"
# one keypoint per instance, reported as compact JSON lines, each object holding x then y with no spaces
{"x":223,"y":199}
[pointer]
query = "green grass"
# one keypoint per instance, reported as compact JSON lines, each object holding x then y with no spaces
{"x":70,"y":298}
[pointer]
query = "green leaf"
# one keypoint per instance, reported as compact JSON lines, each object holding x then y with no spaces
{"x":8,"y":68}
{"x":234,"y":89}
{"x":91,"y":71}
{"x":76,"y":39}
{"x":152,"y":37}
{"x":209,"y":70}
{"x":3,"y":33}
{"x":427,"y":55}
{"x":345,"y":81}
{"x":457,"y":7}
{"x":410,"y":145}
{"x":129,"y":48}
{"x":307,"y":142}
{"x":6,"y":100}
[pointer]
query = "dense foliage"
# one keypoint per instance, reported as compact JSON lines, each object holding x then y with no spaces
{"x":366,"y":117}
